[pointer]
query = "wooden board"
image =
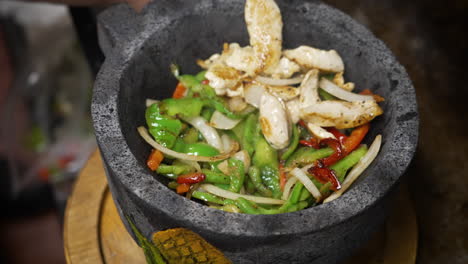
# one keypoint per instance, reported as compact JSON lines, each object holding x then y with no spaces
{"x":94,"y":233}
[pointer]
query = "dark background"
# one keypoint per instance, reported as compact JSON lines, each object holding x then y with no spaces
{"x":429,"y":38}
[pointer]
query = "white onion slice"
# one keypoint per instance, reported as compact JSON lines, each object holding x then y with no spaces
{"x":308,"y":184}
{"x":357,"y":170}
{"x":149,"y":102}
{"x":287,"y":187}
{"x":146,"y":136}
{"x":227,"y":142}
{"x":224,"y":167}
{"x":220,"y":121}
{"x":231,"y":195}
{"x":279,"y":82}
{"x":341,"y":93}
{"x":209,"y":133}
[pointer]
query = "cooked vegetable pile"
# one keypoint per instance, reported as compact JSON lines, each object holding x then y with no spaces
{"x":262,"y":130}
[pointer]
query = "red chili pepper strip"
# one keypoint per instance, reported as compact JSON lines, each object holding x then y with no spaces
{"x":324,"y":175}
{"x":313,"y":143}
{"x":190,"y":178}
{"x":340,"y":136}
{"x":282,"y":176}
{"x":179,"y":91}
{"x":205,"y":81}
{"x":183,"y":188}
{"x":302,"y":124}
{"x":337,"y":154}
{"x":355,"y":138}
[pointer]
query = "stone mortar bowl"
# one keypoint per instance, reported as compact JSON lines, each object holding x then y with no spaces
{"x":139,"y":50}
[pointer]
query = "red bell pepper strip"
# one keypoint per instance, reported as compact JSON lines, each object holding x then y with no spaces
{"x":356,"y":137}
{"x":340,"y":136}
{"x":191,"y":178}
{"x":337,"y":154}
{"x":324,"y":174}
{"x":179,"y":91}
{"x":313,"y":143}
{"x":206,"y":82}
{"x":154,"y":159}
{"x":183,"y":188}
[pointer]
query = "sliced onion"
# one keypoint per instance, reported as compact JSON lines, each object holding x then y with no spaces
{"x":149,"y":102}
{"x":220,"y":121}
{"x":287,"y":187}
{"x":209,"y":133}
{"x":279,"y":82}
{"x":308,"y":184}
{"x":341,"y":93}
{"x":146,"y":136}
{"x":232,"y":195}
{"x":357,"y":170}
{"x":243,"y":156}
{"x":227,"y":142}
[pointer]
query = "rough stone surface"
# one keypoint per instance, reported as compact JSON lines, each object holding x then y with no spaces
{"x":183,"y":31}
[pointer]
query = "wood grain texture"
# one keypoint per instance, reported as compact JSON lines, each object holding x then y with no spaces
{"x":94,"y":233}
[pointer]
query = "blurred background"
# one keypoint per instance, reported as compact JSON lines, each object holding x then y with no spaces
{"x":49,"y":57}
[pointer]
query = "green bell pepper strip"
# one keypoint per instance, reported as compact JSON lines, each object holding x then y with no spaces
{"x":266,"y":159}
{"x":207,"y":113}
{"x":232,"y":208}
{"x":207,"y":197}
{"x":297,"y":207}
{"x":215,"y":177}
{"x":255,"y":178}
{"x":200,"y":149}
{"x":292,"y":145}
{"x":163,"y":128}
{"x":174,"y":169}
{"x":185,"y":107}
{"x":306,"y":155}
{"x":249,"y":186}
{"x":236,"y":171}
{"x":223,"y":186}
{"x":246,"y":206}
{"x":296,"y":193}
{"x":342,"y":166}
{"x":248,"y":136}
{"x":190,"y":136}
{"x":200,"y":76}
{"x":188,"y":80}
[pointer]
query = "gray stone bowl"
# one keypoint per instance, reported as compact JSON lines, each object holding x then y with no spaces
{"x":139,"y":50}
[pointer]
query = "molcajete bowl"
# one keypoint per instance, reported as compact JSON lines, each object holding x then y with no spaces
{"x":139,"y":50}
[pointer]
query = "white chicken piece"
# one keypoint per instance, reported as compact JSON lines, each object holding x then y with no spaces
{"x":222,"y":77}
{"x":338,"y":79}
{"x":285,"y":93}
{"x":240,"y":58}
{"x":308,"y":89}
{"x":205,"y":64}
{"x":284,"y":69}
{"x":294,"y":110}
{"x":274,"y":121}
{"x":341,"y":114}
{"x":308,"y":57}
{"x":264,"y":24}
